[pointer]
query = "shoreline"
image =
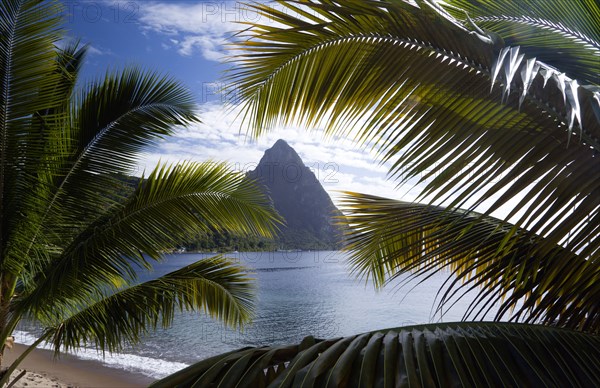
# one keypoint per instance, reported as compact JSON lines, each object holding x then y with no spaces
{"x":44,"y":370}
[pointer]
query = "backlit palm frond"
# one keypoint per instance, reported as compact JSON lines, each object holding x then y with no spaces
{"x":564,"y":34}
{"x":435,"y":355}
{"x":480,"y":125}
{"x":103,"y":137}
{"x":143,"y":108}
{"x":70,"y":59}
{"x":484,"y":155}
{"x":48,"y":130}
{"x":172,"y":204}
{"x":215,"y":285}
{"x":342,"y":63}
{"x":388,"y":238}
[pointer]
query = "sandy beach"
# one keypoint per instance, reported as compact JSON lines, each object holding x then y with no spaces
{"x":43,"y":370}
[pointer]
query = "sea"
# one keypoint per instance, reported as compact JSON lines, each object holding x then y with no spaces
{"x":299,"y":293}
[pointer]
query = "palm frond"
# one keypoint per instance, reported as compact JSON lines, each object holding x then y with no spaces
{"x":215,"y":285}
{"x":172,"y":204}
{"x":49,"y":147}
{"x":70,"y":59}
{"x":388,"y":238}
{"x":103,"y":137}
{"x":363,"y":40}
{"x":144,"y":107}
{"x":436,"y":355}
{"x":28,"y":31}
{"x":107,"y":136}
{"x":563,"y":34}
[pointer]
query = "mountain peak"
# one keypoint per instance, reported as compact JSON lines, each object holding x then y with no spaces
{"x":299,"y":198}
{"x":281,"y":144}
{"x":281,"y":152}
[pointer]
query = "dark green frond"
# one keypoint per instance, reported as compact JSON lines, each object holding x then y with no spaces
{"x":216,"y":286}
{"x":388,"y":238}
{"x":437,"y":355}
{"x":70,"y":59}
{"x":28,"y":84}
{"x":108,"y":134}
{"x":339,"y":66}
{"x":144,"y":107}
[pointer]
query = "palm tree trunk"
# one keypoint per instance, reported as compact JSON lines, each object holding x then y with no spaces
{"x":7,"y":289}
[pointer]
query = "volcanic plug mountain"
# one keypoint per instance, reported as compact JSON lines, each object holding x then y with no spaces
{"x":299,"y":198}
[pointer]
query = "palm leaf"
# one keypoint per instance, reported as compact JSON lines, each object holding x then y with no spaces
{"x":174,"y":203}
{"x":47,"y":129}
{"x":104,"y":137}
{"x":388,"y":238}
{"x":563,"y":34}
{"x":435,"y":355}
{"x":28,"y":31}
{"x":215,"y":285}
{"x":107,"y":136}
{"x":75,"y":178}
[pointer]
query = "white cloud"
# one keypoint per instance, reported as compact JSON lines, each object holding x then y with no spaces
{"x":192,"y":28}
{"x":201,"y":27}
{"x":210,"y":48}
{"x":201,"y":18}
{"x":95,"y":50}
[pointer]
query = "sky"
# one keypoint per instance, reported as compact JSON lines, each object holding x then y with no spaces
{"x":186,"y":40}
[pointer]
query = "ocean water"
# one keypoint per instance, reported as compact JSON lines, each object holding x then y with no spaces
{"x":298,"y":294}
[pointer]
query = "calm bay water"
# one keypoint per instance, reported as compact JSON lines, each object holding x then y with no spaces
{"x":298,"y":294}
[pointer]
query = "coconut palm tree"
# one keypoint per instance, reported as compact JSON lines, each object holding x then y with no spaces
{"x":71,"y":246}
{"x":492,"y":108}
